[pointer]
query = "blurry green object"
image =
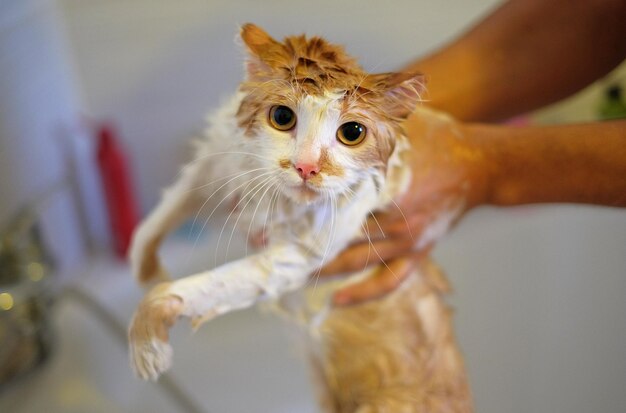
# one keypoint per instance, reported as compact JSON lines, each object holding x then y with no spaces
{"x":25,"y":331}
{"x":613,"y":105}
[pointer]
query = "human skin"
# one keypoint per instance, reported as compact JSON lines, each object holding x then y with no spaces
{"x":526,"y":54}
{"x":490,"y":165}
{"x":523,"y":56}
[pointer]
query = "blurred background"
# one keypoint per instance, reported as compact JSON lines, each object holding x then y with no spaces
{"x":101,"y":91}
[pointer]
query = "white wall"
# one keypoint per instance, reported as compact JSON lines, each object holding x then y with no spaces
{"x":541,"y":314}
{"x":38,"y":101}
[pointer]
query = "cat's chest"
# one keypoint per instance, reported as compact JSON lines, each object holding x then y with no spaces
{"x":265,"y":216}
{"x":266,"y":219}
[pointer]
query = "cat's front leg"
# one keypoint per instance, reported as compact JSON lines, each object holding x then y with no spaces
{"x":148,"y":334}
{"x":205,"y":295}
{"x":150,"y":352}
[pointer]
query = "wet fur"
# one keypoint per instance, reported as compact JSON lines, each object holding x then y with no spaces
{"x":396,"y":354}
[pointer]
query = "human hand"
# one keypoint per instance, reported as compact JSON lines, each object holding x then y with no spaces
{"x":448,"y":179}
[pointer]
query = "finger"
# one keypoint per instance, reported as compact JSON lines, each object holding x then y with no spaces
{"x":394,"y":225}
{"x":384,"y":280}
{"x":362,"y":255}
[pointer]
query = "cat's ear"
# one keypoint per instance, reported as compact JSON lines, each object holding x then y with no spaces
{"x":263,"y":51}
{"x":402,"y":91}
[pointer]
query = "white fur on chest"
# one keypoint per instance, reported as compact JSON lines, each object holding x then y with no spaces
{"x":232,"y":174}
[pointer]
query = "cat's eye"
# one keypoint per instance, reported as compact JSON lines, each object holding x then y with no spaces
{"x":282,"y":118}
{"x":351,"y":133}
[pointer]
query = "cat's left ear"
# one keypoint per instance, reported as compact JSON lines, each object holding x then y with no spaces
{"x":402,"y":91}
{"x":263,"y":51}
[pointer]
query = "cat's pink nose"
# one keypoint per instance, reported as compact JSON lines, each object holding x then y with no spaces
{"x":306,"y":170}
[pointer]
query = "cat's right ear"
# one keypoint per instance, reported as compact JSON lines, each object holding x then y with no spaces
{"x":264,"y":53}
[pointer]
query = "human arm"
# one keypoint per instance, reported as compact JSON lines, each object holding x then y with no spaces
{"x":485,"y":165}
{"x":523,"y":56}
{"x":579,"y":163}
{"x":526,"y":54}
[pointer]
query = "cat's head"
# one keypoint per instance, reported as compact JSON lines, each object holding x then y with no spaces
{"x":318,"y":120}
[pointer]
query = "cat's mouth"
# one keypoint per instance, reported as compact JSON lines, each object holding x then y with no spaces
{"x":304,"y":191}
{"x":306,"y":187}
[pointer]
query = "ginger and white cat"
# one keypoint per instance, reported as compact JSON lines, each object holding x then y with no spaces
{"x":315,"y":145}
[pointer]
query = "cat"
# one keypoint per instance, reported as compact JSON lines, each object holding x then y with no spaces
{"x":315,"y":144}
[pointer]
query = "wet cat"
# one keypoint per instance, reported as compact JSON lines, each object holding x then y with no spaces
{"x":316,"y":144}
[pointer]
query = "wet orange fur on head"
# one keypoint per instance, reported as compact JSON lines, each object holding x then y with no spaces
{"x":283,"y":73}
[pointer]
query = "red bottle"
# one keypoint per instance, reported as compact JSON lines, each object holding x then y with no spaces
{"x":117,"y":186}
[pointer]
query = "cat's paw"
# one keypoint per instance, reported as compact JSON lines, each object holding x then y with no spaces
{"x":149,"y":359}
{"x":150,"y":352}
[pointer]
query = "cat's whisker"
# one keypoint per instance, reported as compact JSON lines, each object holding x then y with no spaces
{"x":235,"y":208}
{"x":220,"y":203}
{"x":378,"y":224}
{"x":278,"y":195}
{"x":333,"y":219}
{"x":406,"y":221}
{"x":372,"y":246}
{"x":369,"y":247}
{"x":204,"y":157}
{"x":267,"y":184}
{"x":316,"y":237}
{"x":379,"y":256}
{"x":250,"y":197}
{"x":274,"y":186}
{"x":279,"y":192}
{"x":366,"y":231}
{"x":348,"y":191}
{"x":206,"y":201}
{"x":236,"y":174}
{"x":273,"y":202}
{"x":199,"y":158}
{"x":331,"y":236}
